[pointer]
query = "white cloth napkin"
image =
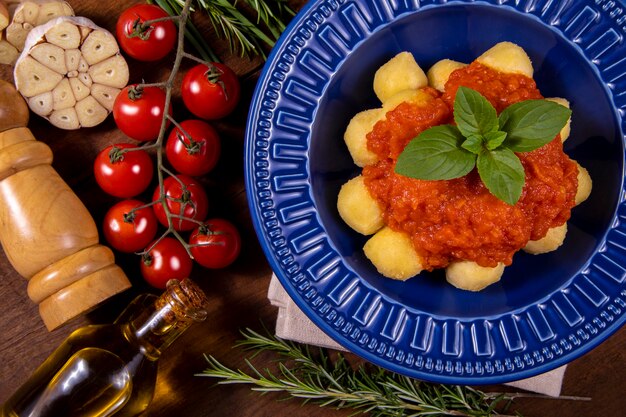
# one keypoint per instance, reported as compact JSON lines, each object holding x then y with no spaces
{"x":293,"y":324}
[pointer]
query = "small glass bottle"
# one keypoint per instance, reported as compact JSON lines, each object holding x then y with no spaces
{"x":106,"y":370}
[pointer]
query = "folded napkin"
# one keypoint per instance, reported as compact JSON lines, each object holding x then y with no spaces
{"x":292,"y":324}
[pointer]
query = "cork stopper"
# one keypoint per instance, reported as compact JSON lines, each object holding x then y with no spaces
{"x":186,"y":301}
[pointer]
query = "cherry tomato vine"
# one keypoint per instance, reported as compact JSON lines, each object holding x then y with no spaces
{"x":179,"y":202}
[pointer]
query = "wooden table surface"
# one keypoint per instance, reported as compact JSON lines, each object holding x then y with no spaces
{"x":237,"y":294}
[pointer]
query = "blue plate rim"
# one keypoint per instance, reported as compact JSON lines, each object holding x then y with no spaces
{"x":313,"y":314}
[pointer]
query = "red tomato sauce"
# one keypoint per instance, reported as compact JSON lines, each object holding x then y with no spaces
{"x":406,"y":121}
{"x":460,"y":219}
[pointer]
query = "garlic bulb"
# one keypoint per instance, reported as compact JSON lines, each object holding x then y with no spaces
{"x":70,"y":72}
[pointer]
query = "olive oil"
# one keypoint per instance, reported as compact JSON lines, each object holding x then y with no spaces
{"x":110,"y":370}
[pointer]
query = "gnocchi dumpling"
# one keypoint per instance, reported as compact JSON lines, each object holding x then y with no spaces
{"x":508,"y":58}
{"x":358,"y":208}
{"x":505,"y":57}
{"x":362,"y":123}
{"x":393,"y":254}
{"x":439,"y":73}
{"x":550,"y":242}
{"x":470,"y":276}
{"x":355,"y":136}
{"x":399,"y":73}
{"x":418,"y":97}
{"x":555,"y":236}
{"x":584,"y":185}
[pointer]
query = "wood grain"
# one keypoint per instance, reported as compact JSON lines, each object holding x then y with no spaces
{"x":43,"y":225}
{"x":237,"y":294}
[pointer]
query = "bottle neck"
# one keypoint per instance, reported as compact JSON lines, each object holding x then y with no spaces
{"x":153,"y":333}
{"x":162,"y":322}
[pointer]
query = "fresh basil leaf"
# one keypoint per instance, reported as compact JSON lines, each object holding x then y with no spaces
{"x":494,"y":139}
{"x":474,"y":144}
{"x":473,"y":114}
{"x":436,"y":154}
{"x":531,"y":124}
{"x":502,"y":173}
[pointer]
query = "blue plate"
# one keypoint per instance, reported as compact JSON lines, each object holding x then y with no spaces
{"x":547,"y":309}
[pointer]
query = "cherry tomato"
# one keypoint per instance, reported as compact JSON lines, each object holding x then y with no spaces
{"x":218,"y":243}
{"x":123,"y":174}
{"x":149,"y":43}
{"x":138,"y":112}
{"x":127,"y":230}
{"x":192,"y":202}
{"x":197,"y":156}
{"x":210,"y":92}
{"x":167,"y":260}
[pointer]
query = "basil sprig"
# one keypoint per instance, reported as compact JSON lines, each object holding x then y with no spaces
{"x":482,"y":139}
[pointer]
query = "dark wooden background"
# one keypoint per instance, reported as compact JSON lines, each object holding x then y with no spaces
{"x":237,"y":294}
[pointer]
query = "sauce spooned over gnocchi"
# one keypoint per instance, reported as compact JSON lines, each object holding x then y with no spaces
{"x":454,"y":224}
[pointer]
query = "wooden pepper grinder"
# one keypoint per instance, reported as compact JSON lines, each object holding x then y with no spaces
{"x":46,"y":232}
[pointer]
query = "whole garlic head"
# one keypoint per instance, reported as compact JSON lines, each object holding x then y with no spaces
{"x":70,"y":72}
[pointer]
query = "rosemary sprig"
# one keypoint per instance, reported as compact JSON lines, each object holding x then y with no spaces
{"x":242,"y":35}
{"x":316,"y":378}
{"x":248,"y":37}
{"x":271,"y":19}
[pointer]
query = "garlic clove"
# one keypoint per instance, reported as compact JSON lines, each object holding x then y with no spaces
{"x":33,"y":78}
{"x":4,"y":16}
{"x":51,"y":56}
{"x":26,"y":12}
{"x":84,"y":32}
{"x":85,"y":79}
{"x":64,"y":34}
{"x":99,"y":46}
{"x":83,"y":66}
{"x":8,"y":53}
{"x":65,"y":119}
{"x":90,"y":112}
{"x":72,"y":58}
{"x":52,"y":9}
{"x":105,"y":95}
{"x":16,"y":34}
{"x":42,"y":104}
{"x":112,"y":72}
{"x":79,"y":89}
{"x":62,"y":95}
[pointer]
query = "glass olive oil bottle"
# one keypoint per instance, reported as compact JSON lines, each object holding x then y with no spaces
{"x":110,"y":370}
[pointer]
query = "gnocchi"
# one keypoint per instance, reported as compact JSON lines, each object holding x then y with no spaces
{"x":550,"y":242}
{"x":584,"y":185}
{"x":356,"y":136}
{"x":393,"y":255}
{"x":439,"y":73}
{"x":400,"y":73}
{"x":468,"y":275}
{"x":362,"y":123}
{"x":508,"y":58}
{"x":357,"y":207}
{"x":418,"y":97}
